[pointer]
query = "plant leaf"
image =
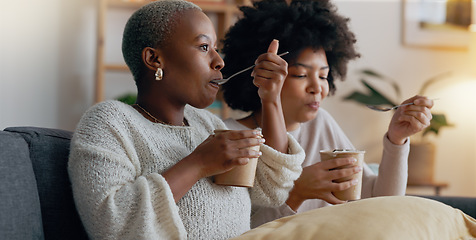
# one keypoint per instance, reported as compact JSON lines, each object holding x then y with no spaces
{"x":371,"y":73}
{"x":432,"y":80}
{"x":372,"y":97}
{"x":438,"y":121}
{"x":379,"y":76}
{"x":129,"y":98}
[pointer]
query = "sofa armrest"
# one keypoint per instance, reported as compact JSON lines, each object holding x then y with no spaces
{"x":49,"y":153}
{"x":465,"y":204}
{"x":20,"y":214}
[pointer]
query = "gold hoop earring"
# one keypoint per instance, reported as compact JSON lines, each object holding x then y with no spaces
{"x":159,"y":74}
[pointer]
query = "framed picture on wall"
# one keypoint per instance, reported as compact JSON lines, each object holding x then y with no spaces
{"x":436,"y":23}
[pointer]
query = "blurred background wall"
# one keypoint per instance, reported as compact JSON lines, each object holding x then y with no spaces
{"x":47,"y":72}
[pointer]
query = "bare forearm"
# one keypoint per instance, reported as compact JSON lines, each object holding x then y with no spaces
{"x":294,"y":201}
{"x":273,"y":126}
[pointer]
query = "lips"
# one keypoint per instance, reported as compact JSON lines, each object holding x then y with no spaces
{"x":214,"y":83}
{"x":314,"y":105}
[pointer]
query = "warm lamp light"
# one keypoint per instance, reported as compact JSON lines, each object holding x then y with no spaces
{"x":457,"y":102}
{"x":472,"y":49}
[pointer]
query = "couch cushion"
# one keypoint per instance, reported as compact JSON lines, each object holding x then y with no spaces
{"x":49,"y":151}
{"x":19,"y":203}
{"x":389,"y":218}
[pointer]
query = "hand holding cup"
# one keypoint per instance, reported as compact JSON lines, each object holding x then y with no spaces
{"x":354,"y":192}
{"x":241,"y":175}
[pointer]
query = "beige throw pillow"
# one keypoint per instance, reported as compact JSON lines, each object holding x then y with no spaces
{"x":397,"y":217}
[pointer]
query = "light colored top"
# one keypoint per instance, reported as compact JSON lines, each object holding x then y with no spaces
{"x":323,"y":133}
{"x":116,"y":160}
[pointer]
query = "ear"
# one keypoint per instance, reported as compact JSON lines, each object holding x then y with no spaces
{"x":151,"y":58}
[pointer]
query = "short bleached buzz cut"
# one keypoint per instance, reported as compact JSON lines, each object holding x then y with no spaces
{"x":151,"y":26}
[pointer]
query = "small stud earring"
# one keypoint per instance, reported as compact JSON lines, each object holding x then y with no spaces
{"x":159,"y":74}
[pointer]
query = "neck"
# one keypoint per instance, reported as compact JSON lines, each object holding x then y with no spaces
{"x":161,"y":112}
{"x":292,"y":126}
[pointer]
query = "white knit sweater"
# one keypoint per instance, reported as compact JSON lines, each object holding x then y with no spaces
{"x":115,"y":163}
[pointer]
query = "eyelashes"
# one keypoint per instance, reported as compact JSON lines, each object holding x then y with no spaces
{"x":206,"y":48}
{"x":304,"y":76}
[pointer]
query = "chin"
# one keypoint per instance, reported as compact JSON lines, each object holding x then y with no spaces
{"x":204,"y":104}
{"x":308,"y":117}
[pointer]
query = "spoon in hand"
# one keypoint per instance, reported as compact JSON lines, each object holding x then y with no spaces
{"x":222,"y":81}
{"x":385,"y":109}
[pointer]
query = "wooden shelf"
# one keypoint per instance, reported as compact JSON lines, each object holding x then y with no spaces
{"x":224,"y":11}
{"x":207,"y":6}
{"x":437,"y":186}
{"x":116,"y":67}
{"x":126,"y":4}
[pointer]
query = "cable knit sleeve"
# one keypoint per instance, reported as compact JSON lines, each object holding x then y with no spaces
{"x":276,"y":173}
{"x":114,"y":197}
{"x":393,"y":172}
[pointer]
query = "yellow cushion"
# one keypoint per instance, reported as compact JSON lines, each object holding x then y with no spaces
{"x":402,"y":217}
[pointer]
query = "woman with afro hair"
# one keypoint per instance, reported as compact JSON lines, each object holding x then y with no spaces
{"x":320,"y":46}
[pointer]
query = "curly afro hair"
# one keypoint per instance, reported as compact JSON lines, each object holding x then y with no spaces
{"x":299,"y":25}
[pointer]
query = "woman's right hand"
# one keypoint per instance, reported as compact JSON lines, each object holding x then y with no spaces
{"x":317,"y":182}
{"x":219,"y":153}
{"x":224,"y":150}
{"x":269,"y":74}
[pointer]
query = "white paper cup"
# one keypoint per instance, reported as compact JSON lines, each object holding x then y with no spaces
{"x":354,"y":192}
{"x":239,"y":176}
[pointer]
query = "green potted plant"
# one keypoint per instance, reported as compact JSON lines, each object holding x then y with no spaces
{"x":422,"y":152}
{"x":128,"y":98}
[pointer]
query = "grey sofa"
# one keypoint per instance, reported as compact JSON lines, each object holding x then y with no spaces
{"x":36,"y":201}
{"x":35,"y":193}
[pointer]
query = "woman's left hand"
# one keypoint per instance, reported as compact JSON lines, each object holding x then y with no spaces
{"x":410,"y":119}
{"x":269,"y":74}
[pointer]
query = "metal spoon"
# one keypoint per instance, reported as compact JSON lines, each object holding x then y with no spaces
{"x":385,"y":109}
{"x":222,"y":81}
